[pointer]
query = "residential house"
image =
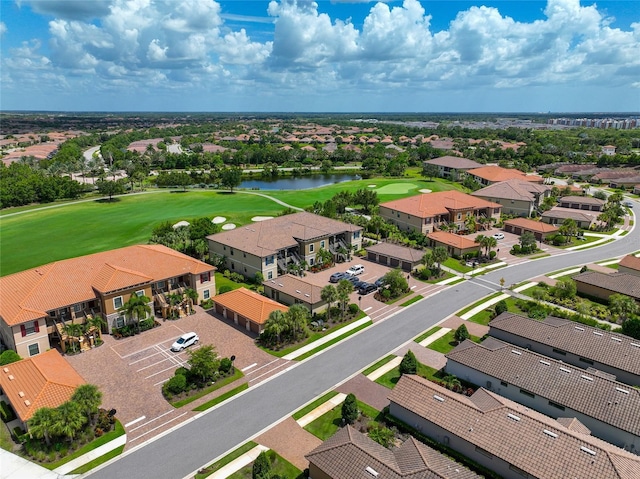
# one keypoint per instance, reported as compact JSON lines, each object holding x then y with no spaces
{"x":608,"y":150}
{"x":586,"y":203}
{"x":539,"y":229}
{"x":246,"y":308}
{"x":557,"y":215}
{"x":289,"y":289}
{"x":607,"y":407}
{"x":452,"y":166}
{"x":517,"y":197}
{"x":488,"y":175}
{"x":395,"y":256}
{"x":430,"y":211}
{"x":602,"y":285}
{"x":36,"y":303}
{"x":575,"y":344}
{"x":512,"y":440}
{"x":45,"y":380}
{"x":630,"y":264}
{"x":269,"y":247}
{"x":351,"y":454}
{"x":456,"y":245}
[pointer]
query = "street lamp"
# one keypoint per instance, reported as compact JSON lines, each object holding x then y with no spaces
{"x":233,"y":368}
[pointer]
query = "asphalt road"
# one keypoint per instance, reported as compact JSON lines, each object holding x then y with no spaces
{"x":184,"y":450}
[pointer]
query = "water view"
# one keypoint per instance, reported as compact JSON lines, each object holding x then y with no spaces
{"x":300,"y":183}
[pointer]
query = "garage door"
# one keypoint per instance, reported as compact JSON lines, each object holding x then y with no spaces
{"x":406,"y":266}
{"x":371,"y":256}
{"x":382,"y":259}
{"x":242,"y":321}
{"x":395,"y":262}
{"x":219,"y":309}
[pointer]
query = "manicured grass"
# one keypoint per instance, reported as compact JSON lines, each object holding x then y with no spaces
{"x":416,"y":298}
{"x":455,"y":265}
{"x":615,"y":266}
{"x":279,"y":466}
{"x":222,"y":397}
{"x":222,"y":281}
{"x":442,"y":277}
{"x":379,"y":364}
{"x":232,"y":456}
{"x":575,"y":242}
{"x":478,"y":303}
{"x":6,"y":442}
{"x":314,"y":404}
{"x":326,"y":425}
{"x":483,"y":317}
{"x":99,"y":460}
{"x":105,"y":438}
{"x":459,"y":280}
{"x":217,"y":385}
{"x":425,"y":335}
{"x":538,"y":256}
{"x":447,"y":343}
{"x":333,"y":341}
{"x":391,"y":378}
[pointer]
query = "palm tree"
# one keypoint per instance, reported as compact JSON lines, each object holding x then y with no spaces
{"x":471,"y":223}
{"x":298,"y":317}
{"x":344,"y":291}
{"x":71,"y":418}
{"x":329,"y":294}
{"x":440,"y":255}
{"x":89,"y":398}
{"x":74,"y":331}
{"x":174,"y":300}
{"x":137,"y":308}
{"x":428,"y":261}
{"x":192,"y":295}
{"x":276,"y":324}
{"x":42,"y":423}
{"x":487,"y":242}
{"x":451,"y":382}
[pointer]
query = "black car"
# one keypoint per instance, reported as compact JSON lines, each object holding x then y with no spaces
{"x":379,"y":282}
{"x":358,"y":284}
{"x":352,"y":279}
{"x":336,"y":277}
{"x":367,"y":288}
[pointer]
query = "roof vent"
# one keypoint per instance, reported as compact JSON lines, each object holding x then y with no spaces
{"x":307,"y":295}
{"x":298,"y":291}
{"x":550,"y":433}
{"x":622,"y":390}
{"x":438,"y":398}
{"x":587,"y":450}
{"x":579,"y":328}
{"x":516,"y":352}
{"x":586,"y":377}
{"x":597,"y":333}
{"x":280,"y":284}
{"x":371,"y":471}
{"x":546,"y":363}
{"x":513,"y":416}
{"x":635,"y":345}
{"x":6,"y":370}
{"x":565,"y":370}
{"x":616,"y":339}
{"x":11,"y":378}
{"x":27,"y":402}
{"x":21,"y":394}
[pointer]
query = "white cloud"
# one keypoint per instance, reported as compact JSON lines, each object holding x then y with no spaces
{"x":72,"y":10}
{"x":3,"y":28}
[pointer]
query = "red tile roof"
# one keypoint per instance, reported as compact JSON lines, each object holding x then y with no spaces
{"x":531,"y":225}
{"x":45,"y":380}
{"x":631,"y":262}
{"x":249,"y":304}
{"x":450,"y":239}
{"x":28,"y":295}
{"x":432,"y":204}
{"x":497,"y":173}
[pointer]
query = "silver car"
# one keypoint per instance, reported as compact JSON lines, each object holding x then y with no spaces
{"x":184,"y":341}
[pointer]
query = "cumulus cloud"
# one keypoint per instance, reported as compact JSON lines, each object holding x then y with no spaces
{"x":3,"y":28}
{"x":172,"y":43}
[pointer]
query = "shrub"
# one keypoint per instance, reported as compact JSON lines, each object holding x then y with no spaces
{"x":386,"y":294}
{"x":461,"y":333}
{"x":9,"y":356}
{"x":516,"y":249}
{"x":353,"y":308}
{"x":207,"y":304}
{"x":225,"y":365}
{"x":236,"y":277}
{"x":631,"y":327}
{"x":225,"y":288}
{"x":492,"y":254}
{"x":182,"y":371}
{"x":6,"y":412}
{"x":559,"y":240}
{"x":501,"y":307}
{"x":175,"y":385}
{"x":261,"y":467}
{"x":409,"y":363}
{"x":350,"y":409}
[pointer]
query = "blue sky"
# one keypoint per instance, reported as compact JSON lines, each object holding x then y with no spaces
{"x":334,"y":56}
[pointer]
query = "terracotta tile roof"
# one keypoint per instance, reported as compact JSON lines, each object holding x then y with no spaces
{"x":582,"y":200}
{"x":45,"y":380}
{"x":497,"y":173}
{"x":597,"y":397}
{"x":249,"y":304}
{"x":454,"y":162}
{"x":532,"y":225}
{"x":579,"y":339}
{"x":268,"y":237}
{"x":574,"y":214}
{"x":621,"y":283}
{"x":403,"y":253}
{"x":535,"y":443}
{"x":630,"y":261}
{"x":515,"y":189}
{"x":30,"y":294}
{"x":450,"y":239}
{"x":348,"y":453}
{"x":296,"y":287}
{"x":441,"y":203}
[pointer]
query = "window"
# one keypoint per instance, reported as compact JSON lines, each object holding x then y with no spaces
{"x":205,"y":277}
{"x":160,"y":284}
{"x":270,"y":275}
{"x":231,"y":251}
{"x":588,"y":361}
{"x":504,"y":383}
{"x":356,"y":234}
{"x":484,"y":452}
{"x":559,"y":351}
{"x":205,"y":294}
{"x":29,"y":328}
{"x":459,"y":216}
{"x":244,"y":255}
{"x":119,"y":321}
{"x":322,"y":244}
{"x":269,"y":260}
{"x":556,"y":405}
{"x":117,"y":302}
{"x":34,"y":349}
{"x":312,"y":261}
{"x":77,"y":307}
{"x":140,"y":293}
{"x":527,"y":393}
{"x":311,"y":248}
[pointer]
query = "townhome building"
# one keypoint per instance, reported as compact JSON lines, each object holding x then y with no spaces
{"x":517,"y":197}
{"x":452,"y":167}
{"x":269,"y":247}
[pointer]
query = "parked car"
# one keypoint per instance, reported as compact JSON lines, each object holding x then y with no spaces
{"x":184,"y":341}
{"x":499,"y":236}
{"x":379,"y":282}
{"x":356,"y":269}
{"x":358,"y":284}
{"x":628,"y":204}
{"x":367,"y":288}
{"x":352,"y":279}
{"x":336,"y":277}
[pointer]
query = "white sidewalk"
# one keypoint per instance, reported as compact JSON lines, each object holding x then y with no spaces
{"x":320,"y":410}
{"x":91,"y":455}
{"x":483,"y":306}
{"x":237,"y":464}
{"x":385,"y":368}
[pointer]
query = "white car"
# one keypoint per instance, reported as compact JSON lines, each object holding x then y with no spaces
{"x":184,"y":341}
{"x":355,"y":270}
{"x":628,"y":204}
{"x":499,"y":236}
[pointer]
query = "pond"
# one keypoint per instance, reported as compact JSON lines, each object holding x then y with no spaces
{"x":300,"y":183}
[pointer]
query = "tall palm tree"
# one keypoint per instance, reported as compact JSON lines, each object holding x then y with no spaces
{"x":71,"y":418}
{"x":440,"y":255}
{"x":276,"y":324}
{"x":192,"y":296}
{"x":471,"y":223}
{"x":329,"y":295}
{"x":97,"y":322}
{"x":89,"y":398}
{"x":298,"y":317}
{"x":137,"y":308}
{"x":344,"y":291}
{"x":74,"y":331}
{"x":42,"y":424}
{"x":174,"y":300}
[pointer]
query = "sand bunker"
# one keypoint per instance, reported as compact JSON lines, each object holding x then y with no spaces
{"x":179,"y":224}
{"x":229,"y":226}
{"x":261,"y":218}
{"x":424,"y":190}
{"x":371,"y":186}
{"x":218,"y":220}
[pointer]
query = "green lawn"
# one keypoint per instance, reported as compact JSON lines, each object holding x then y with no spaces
{"x":425,"y":335}
{"x":478,"y":303}
{"x":232,"y":456}
{"x":483,"y":317}
{"x":279,"y":466}
{"x":391,"y":378}
{"x":455,"y":265}
{"x":447,"y":343}
{"x":6,"y":442}
{"x":314,"y":404}
{"x":222,"y":281}
{"x":416,"y":298}
{"x":379,"y":364}
{"x":98,"y":460}
{"x":326,"y":425}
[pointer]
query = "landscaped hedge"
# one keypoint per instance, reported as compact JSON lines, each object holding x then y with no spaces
{"x":6,"y":412}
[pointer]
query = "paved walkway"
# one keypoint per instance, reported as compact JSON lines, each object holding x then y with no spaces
{"x":16,"y":467}
{"x":485,"y":305}
{"x":237,"y":464}
{"x":91,"y":455}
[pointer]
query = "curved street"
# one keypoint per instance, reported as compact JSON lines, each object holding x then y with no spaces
{"x":210,"y":435}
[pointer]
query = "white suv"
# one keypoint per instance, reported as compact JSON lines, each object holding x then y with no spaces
{"x":355,"y":270}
